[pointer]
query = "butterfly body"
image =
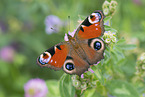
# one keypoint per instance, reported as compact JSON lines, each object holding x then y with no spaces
{"x":83,"y":49}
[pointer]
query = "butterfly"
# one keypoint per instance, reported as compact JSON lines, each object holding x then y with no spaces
{"x":81,"y":51}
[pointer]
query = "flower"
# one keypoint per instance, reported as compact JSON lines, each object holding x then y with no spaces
{"x":142,"y":57}
{"x":106,"y":11}
{"x":35,"y":88}
{"x":109,"y":37}
{"x":105,"y":4}
{"x":109,"y":7}
{"x":53,"y":24}
{"x":7,"y":53}
{"x":70,"y":33}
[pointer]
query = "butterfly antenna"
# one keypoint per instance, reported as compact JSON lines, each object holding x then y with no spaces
{"x":68,"y":23}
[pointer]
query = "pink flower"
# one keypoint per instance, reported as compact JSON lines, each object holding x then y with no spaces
{"x":70,"y":33}
{"x":7,"y":53}
{"x":35,"y":88}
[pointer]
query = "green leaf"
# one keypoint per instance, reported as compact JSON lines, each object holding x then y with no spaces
{"x":53,"y":88}
{"x":107,"y":19}
{"x":121,"y":89}
{"x":97,"y":73}
{"x":127,"y":46}
{"x":65,"y":86}
{"x":91,"y":93}
{"x":120,"y":41}
{"x":108,"y":28}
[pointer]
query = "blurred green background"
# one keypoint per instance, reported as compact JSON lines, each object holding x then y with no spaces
{"x":23,"y":37}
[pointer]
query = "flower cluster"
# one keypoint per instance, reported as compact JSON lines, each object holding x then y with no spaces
{"x":141,"y":65}
{"x":35,"y":88}
{"x":88,"y":81}
{"x":109,"y":7}
{"x":109,"y":37}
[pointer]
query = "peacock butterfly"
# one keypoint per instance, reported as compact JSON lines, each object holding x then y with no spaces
{"x":85,"y":48}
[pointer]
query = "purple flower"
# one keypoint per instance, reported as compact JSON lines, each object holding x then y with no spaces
{"x":53,"y":24}
{"x":35,"y":88}
{"x":70,"y":33}
{"x":7,"y":53}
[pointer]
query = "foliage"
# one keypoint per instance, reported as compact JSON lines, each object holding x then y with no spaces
{"x":23,"y":39}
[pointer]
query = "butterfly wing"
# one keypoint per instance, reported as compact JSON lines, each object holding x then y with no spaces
{"x":54,"y":57}
{"x":74,"y":63}
{"x":63,"y":56}
{"x":82,"y":54}
{"x":91,"y":27}
{"x":76,"y":57}
{"x":93,"y":48}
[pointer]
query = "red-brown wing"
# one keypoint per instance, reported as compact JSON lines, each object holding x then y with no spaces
{"x":91,"y":27}
{"x":93,"y":48}
{"x":54,"y":57}
{"x":75,"y":64}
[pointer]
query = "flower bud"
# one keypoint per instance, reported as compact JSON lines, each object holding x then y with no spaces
{"x":76,"y":83}
{"x":106,"y":4}
{"x":114,"y":39}
{"x":107,"y":40}
{"x":106,"y":11}
{"x":113,"y":4}
{"x":84,"y":85}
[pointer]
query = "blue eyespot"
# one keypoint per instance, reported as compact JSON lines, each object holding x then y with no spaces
{"x":69,"y":66}
{"x":97,"y":45}
{"x":42,"y":63}
{"x":98,"y":14}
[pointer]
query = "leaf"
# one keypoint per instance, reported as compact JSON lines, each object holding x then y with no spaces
{"x":108,"y":28}
{"x":120,"y":41}
{"x":107,"y":19}
{"x":98,"y":73}
{"x":127,"y":46}
{"x":121,"y":89}
{"x":53,"y":90}
{"x":91,"y":93}
{"x":65,"y":86}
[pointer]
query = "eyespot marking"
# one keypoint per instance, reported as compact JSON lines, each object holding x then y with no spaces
{"x":94,"y":17}
{"x":69,"y":66}
{"x":96,"y":44}
{"x":44,"y":58}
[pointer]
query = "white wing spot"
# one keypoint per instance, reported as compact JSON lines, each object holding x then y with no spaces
{"x":51,"y":61}
{"x":96,"y":24}
{"x":55,"y":61}
{"x":96,"y":28}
